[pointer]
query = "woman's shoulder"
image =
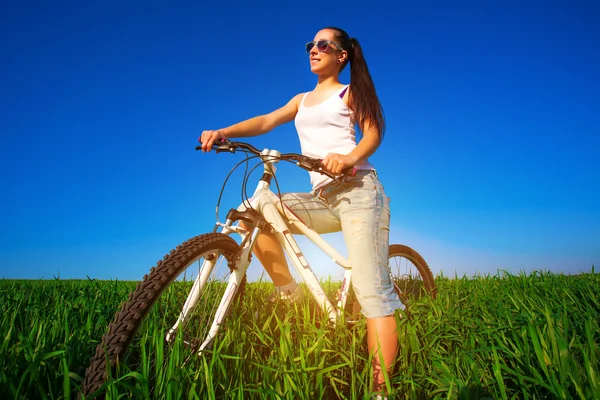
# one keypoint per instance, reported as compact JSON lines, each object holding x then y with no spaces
{"x":300,"y":96}
{"x":345,"y":95}
{"x":298,"y":99}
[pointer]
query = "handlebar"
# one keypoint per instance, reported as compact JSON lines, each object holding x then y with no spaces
{"x":304,"y":162}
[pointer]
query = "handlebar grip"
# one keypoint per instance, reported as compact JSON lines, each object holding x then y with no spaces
{"x":216,"y":144}
{"x":349,"y":171}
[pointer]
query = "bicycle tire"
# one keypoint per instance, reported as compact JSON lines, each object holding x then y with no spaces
{"x":122,"y":330}
{"x":427,"y":287}
{"x":408,"y":285}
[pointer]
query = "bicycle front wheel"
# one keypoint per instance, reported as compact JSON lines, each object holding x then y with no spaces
{"x":175,"y":304}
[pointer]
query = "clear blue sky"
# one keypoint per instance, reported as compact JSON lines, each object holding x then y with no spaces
{"x":490,"y":157}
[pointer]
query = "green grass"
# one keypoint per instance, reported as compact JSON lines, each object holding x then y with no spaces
{"x":502,"y":337}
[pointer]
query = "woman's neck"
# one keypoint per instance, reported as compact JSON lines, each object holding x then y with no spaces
{"x":326,"y":82}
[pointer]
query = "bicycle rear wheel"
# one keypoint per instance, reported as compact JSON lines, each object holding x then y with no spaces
{"x":195,"y":274}
{"x":411,"y":274}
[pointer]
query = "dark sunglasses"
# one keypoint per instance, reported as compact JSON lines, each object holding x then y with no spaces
{"x":322,"y":45}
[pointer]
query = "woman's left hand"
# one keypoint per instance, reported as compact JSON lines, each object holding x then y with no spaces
{"x":336,"y":163}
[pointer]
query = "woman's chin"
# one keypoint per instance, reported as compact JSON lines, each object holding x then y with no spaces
{"x":318,"y":70}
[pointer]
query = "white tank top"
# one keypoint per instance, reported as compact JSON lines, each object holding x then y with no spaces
{"x":327,"y":127}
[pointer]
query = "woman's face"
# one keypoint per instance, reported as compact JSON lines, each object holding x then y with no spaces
{"x":325,"y":53}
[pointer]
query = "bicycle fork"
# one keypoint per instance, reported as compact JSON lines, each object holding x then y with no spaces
{"x":238,"y":266}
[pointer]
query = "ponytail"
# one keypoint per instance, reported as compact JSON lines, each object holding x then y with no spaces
{"x":362,"y":97}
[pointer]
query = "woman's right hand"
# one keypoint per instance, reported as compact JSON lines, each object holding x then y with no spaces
{"x":208,"y":138}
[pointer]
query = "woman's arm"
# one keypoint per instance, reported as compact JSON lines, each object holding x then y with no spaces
{"x":368,"y":144}
{"x":336,"y":163}
{"x":253,"y":126}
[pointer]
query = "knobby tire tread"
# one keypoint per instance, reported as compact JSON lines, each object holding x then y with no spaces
{"x":122,"y":329}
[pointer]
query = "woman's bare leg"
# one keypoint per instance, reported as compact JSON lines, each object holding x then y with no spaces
{"x":270,"y":254}
{"x":382,"y":336}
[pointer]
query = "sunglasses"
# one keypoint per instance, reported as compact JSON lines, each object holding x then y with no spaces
{"x":322,"y":45}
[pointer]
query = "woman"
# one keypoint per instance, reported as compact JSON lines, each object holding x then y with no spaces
{"x":325,"y":118}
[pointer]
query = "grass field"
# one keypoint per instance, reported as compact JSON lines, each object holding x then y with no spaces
{"x":501,"y":337}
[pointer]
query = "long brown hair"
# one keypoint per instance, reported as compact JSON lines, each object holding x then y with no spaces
{"x":362,"y":97}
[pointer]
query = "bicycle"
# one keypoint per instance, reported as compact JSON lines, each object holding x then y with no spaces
{"x":222,"y":265}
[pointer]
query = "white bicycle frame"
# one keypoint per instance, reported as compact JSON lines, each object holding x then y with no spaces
{"x":269,"y":205}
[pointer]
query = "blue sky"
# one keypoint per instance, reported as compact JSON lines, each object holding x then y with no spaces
{"x":490,"y":156}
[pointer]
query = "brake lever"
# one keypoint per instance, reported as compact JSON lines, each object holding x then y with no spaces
{"x":224,"y":148}
{"x":304,"y":163}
